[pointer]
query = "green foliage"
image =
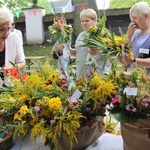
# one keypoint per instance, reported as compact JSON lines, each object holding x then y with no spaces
{"x":122,"y":115}
{"x":18,"y":5}
{"x":124,"y":3}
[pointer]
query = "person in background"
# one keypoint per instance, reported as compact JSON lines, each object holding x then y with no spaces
{"x":11,"y":49}
{"x":88,"y":18}
{"x":63,"y":53}
{"x":139,"y":35}
{"x":18,"y":32}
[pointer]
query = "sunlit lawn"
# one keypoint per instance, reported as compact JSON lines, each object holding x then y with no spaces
{"x":38,"y":50}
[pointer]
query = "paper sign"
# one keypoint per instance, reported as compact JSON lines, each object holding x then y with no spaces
{"x":130,"y":91}
{"x":144,"y":51}
{"x":75,"y":96}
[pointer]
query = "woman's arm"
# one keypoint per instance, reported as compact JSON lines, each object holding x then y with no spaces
{"x":19,"y":65}
{"x":57,"y":48}
{"x":143,"y":62}
{"x":72,"y":50}
{"x":94,"y":51}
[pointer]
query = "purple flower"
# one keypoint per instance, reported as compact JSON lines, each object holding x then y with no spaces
{"x":88,"y":74}
{"x":147,"y":100}
{"x":130,"y":107}
{"x":37,"y":108}
{"x":52,"y":121}
{"x":144,"y":104}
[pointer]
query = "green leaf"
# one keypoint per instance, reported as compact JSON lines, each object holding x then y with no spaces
{"x":122,"y":115}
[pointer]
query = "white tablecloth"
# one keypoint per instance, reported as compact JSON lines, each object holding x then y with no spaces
{"x":105,"y":142}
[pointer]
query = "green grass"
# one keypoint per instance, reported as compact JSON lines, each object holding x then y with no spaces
{"x":38,"y":50}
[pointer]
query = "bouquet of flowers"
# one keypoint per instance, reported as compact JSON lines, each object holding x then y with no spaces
{"x":41,"y":104}
{"x":106,"y":41}
{"x":61,"y":31}
{"x":132,"y":100}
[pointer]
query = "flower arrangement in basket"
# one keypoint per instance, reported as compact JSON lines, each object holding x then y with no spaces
{"x":106,"y":41}
{"x":61,"y":31}
{"x":41,"y":104}
{"x":132,"y":100}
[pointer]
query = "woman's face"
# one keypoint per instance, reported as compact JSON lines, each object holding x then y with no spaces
{"x":139,"y":20}
{"x":87,"y":22}
{"x":5,"y":29}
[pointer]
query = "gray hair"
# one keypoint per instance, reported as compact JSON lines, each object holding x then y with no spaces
{"x":141,"y":8}
{"x":6,"y":15}
{"x":89,"y":13}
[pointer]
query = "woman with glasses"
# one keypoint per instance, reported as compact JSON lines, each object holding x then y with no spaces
{"x":11,"y":49}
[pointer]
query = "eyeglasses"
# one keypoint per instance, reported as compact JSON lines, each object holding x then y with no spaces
{"x":4,"y":30}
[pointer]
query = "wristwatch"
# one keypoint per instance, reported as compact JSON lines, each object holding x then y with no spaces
{"x":134,"y":60}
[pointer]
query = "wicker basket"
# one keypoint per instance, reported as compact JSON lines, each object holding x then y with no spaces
{"x":6,"y":141}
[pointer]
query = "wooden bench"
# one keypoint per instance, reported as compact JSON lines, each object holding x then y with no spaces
{"x":30,"y":67}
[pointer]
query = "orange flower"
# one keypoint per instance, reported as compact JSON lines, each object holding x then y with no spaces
{"x":32,"y":122}
{"x":14,"y":73}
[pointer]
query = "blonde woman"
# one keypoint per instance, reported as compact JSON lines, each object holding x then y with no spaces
{"x":88,"y":18}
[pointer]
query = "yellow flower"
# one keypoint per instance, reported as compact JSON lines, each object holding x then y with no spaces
{"x":23,"y":110}
{"x":130,"y":56}
{"x":23,"y":122}
{"x":55,"y":103}
{"x":24,"y":97}
{"x":110,"y":44}
{"x":118,"y":49}
{"x":118,"y":40}
{"x":16,"y":116}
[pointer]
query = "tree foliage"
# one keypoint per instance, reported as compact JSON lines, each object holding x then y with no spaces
{"x":18,"y":5}
{"x":124,"y":3}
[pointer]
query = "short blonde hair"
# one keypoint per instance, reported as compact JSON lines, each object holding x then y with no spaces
{"x":141,"y":8}
{"x":6,"y":15}
{"x":89,"y":13}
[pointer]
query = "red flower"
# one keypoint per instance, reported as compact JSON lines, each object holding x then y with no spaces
{"x":63,"y":83}
{"x":61,"y":22}
{"x":115,"y":100}
{"x":14,"y":73}
{"x":74,"y":103}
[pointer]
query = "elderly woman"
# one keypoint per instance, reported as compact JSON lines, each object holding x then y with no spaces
{"x":139,"y":34}
{"x":11,"y":50}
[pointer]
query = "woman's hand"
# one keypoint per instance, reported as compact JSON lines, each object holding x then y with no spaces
{"x":131,"y":28}
{"x":94,"y":51}
{"x":125,"y":60}
{"x":52,"y":53}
